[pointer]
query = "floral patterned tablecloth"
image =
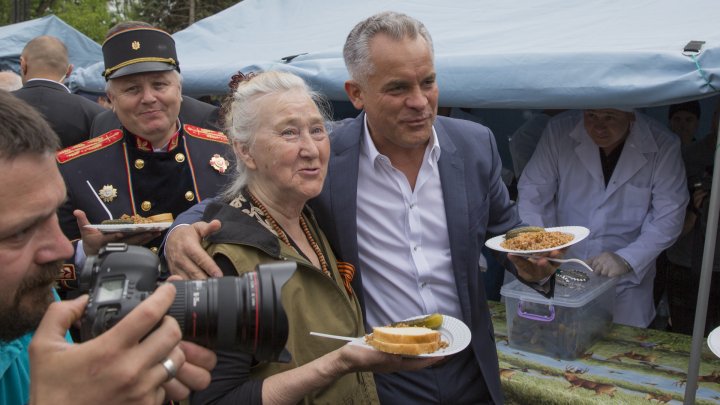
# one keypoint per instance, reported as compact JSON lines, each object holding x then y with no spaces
{"x":628,"y":366}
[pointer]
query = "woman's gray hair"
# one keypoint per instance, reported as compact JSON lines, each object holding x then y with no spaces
{"x":242,"y":118}
{"x":357,"y":45}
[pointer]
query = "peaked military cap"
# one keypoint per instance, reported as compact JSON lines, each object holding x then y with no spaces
{"x":139,"y":50}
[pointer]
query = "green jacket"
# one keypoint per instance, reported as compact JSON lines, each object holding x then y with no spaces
{"x":312,"y":300}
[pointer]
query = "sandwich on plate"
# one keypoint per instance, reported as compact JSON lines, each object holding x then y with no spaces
{"x":405,"y":340}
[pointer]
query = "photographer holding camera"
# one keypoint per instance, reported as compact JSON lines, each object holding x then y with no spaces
{"x":685,"y":256}
{"x":140,"y":360}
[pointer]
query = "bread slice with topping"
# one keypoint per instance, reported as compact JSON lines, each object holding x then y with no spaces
{"x":164,"y":217}
{"x":404,"y":340}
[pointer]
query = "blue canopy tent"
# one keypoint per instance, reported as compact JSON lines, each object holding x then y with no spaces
{"x":82,"y":51}
{"x":489,"y":54}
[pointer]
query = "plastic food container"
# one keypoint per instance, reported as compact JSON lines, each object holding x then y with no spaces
{"x":564,"y":326}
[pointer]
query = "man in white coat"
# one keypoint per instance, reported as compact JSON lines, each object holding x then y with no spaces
{"x":620,"y":174}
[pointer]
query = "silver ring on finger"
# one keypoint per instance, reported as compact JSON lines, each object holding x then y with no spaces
{"x":170,"y":367}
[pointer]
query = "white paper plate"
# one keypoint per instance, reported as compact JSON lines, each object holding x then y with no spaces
{"x":713,"y":341}
{"x":579,"y":233}
{"x":453,"y":331}
{"x":131,"y":228}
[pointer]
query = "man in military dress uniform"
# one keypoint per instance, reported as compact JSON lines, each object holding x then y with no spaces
{"x":192,"y":111}
{"x":154,"y":164}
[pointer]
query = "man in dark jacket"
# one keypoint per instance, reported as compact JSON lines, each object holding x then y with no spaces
{"x":44,"y":65}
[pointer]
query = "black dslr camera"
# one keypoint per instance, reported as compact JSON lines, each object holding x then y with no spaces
{"x":231,"y":313}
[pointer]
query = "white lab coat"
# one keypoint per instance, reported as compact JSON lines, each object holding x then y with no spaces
{"x":637,"y":216}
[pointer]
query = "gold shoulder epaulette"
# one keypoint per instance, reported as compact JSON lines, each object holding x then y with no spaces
{"x":89,"y":146}
{"x":207,"y":134}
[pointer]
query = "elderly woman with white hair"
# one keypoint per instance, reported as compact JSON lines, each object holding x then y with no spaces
{"x":281,"y":143}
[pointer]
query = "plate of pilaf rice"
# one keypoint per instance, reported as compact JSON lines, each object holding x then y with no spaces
{"x":536,"y":242}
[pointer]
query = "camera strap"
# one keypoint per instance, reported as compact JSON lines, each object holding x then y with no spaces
{"x":225,"y":265}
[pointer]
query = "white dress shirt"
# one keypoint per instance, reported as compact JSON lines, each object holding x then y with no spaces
{"x":403,"y":240}
{"x":60,"y":82}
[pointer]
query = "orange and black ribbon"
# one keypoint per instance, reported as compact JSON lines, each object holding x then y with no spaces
{"x":347,"y":271}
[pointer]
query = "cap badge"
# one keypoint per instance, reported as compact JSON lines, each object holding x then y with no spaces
{"x":107,"y":193}
{"x":218,"y":163}
{"x":135,"y":45}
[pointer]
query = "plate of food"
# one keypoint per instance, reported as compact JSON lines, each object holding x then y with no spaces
{"x":534,"y":239}
{"x":713,"y":341}
{"x":130,"y":224}
{"x":410,"y":338}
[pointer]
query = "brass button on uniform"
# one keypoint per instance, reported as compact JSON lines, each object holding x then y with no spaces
{"x":154,"y":249}
{"x":189,"y":196}
{"x":146,"y":205}
{"x":179,"y":158}
{"x":139,"y":164}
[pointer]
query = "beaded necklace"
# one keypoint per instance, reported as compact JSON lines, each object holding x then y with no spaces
{"x":283,"y":236}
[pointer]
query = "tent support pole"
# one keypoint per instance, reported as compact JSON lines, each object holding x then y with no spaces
{"x":698,"y":337}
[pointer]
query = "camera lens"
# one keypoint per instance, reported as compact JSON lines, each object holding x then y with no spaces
{"x":241,"y":313}
{"x":236,"y":313}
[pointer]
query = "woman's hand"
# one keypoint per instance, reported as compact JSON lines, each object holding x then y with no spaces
{"x":358,"y":358}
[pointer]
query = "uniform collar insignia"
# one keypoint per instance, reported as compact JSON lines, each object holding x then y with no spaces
{"x":174,"y":141}
{"x":145,"y":145}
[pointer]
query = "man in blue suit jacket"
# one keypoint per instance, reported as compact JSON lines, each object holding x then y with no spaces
{"x":476,"y":204}
{"x":409,"y":200}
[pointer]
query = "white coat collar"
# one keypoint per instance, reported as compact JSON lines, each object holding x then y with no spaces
{"x":638,"y":143}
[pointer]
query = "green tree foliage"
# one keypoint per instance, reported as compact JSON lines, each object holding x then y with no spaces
{"x":175,"y":15}
{"x":94,"y":17}
{"x":5,"y":12}
{"x":91,"y":17}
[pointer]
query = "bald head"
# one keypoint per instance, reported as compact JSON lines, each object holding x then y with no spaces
{"x":10,"y":81}
{"x":44,"y":57}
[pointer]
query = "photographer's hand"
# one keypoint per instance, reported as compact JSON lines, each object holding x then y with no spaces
{"x":121,"y":366}
{"x":698,"y":196}
{"x":93,"y":239}
{"x":185,"y":256}
{"x":694,"y":210}
{"x":195,"y":373}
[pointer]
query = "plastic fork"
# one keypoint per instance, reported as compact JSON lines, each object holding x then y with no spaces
{"x":577,"y":261}
{"x":325,"y":335}
{"x":99,"y":199}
